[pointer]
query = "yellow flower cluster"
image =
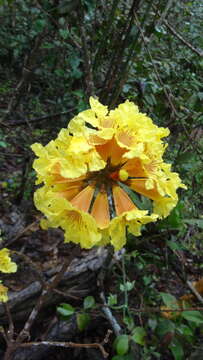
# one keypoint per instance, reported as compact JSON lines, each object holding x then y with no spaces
{"x":6,"y":266}
{"x":97,"y":172}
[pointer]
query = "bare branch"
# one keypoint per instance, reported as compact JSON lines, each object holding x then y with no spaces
{"x":174,"y":32}
{"x":68,"y":345}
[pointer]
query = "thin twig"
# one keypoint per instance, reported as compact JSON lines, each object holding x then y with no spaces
{"x":66,"y":296}
{"x":127,"y":64}
{"x":168,"y":94}
{"x":67,"y":345}
{"x":21,"y":233}
{"x":154,"y":66}
{"x":107,"y":336}
{"x":165,"y":11}
{"x":10,"y":331}
{"x":174,"y":32}
{"x":86,"y":54}
{"x":26,"y":329}
{"x":27,"y":70}
{"x":7,"y":154}
{"x":159,"y":310}
{"x":41,"y":118}
{"x":115,"y":66}
{"x":105,"y":35}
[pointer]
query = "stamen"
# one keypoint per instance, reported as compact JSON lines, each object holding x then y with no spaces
{"x":137,"y":178}
{"x":112,"y":208}
{"x":96,"y":191}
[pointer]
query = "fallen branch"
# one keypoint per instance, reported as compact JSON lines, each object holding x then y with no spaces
{"x":78,"y":280}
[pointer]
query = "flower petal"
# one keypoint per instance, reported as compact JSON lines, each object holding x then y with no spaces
{"x":100,"y":210}
{"x":122,"y":201}
{"x":139,"y":186}
{"x":83,"y":200}
{"x":6,"y":265}
{"x":81,"y":228}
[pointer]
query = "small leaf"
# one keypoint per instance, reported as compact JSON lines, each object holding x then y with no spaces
{"x":128,"y":286}
{"x":66,"y":310}
{"x":194,"y":316}
{"x":139,"y":335}
{"x":89,"y":302}
{"x":152,"y":323}
{"x":83,"y":320}
{"x":176,"y":349}
{"x":128,"y":320}
{"x":64,"y":33}
{"x":39,"y":25}
{"x":112,"y":300}
{"x":174,"y":245}
{"x":185,"y":330}
{"x":3,"y":144}
{"x":122,"y":344}
{"x":169,"y":300}
{"x":164,"y":326}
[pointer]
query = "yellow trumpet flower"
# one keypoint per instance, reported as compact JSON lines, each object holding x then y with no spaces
{"x":96,"y":172}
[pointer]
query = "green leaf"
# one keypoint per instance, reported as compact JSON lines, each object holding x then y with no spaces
{"x":139,"y":334}
{"x":66,"y":310}
{"x":185,"y":330}
{"x":89,"y":302}
{"x":164,"y":326}
{"x":59,"y":72}
{"x":128,"y":320}
{"x":3,"y":144}
{"x":64,"y":33}
{"x":112,"y":300}
{"x":128,"y":286}
{"x":174,"y":220}
{"x":122,"y":344}
{"x":194,"y":316}
{"x":174,"y":245}
{"x":169,"y":300}
{"x":39,"y":25}
{"x":83,"y":320}
{"x":176,"y":349}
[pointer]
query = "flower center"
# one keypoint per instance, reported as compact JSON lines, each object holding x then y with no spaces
{"x":108,"y":176}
